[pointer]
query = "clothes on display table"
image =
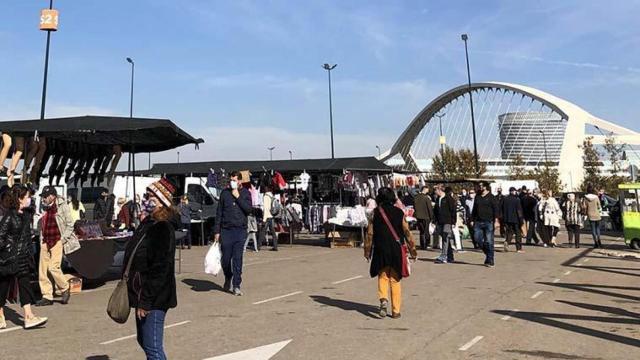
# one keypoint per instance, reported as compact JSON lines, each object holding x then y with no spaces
{"x":304,"y":181}
{"x":318,"y":215}
{"x":350,"y":216}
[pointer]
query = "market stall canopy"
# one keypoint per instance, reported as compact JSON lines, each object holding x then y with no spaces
{"x":368,"y":164}
{"x":147,"y":135}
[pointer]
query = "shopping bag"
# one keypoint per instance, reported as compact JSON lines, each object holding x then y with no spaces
{"x":212,"y":260}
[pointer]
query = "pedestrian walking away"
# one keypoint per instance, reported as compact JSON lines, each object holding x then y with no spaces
{"x":230,"y":229}
{"x":152,"y":281}
{"x":592,"y":206}
{"x":446,"y":218}
{"x":485,"y":212}
{"x":423,"y":206}
{"x":385,"y":252}
{"x":186,"y":214}
{"x":573,"y":219}
{"x":529,"y":210}
{"x":272,"y":212}
{"x":57,"y":237}
{"x":16,"y":259}
{"x":512,"y":219}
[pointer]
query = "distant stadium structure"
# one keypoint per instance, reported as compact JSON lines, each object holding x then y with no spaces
{"x":510,"y":122}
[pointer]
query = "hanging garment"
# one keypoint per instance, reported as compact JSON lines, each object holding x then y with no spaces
{"x":304,"y":181}
{"x":212,"y":179}
{"x":278,"y":181}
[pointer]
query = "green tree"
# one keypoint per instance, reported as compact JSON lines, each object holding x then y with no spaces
{"x":548,"y":177}
{"x":615,"y":153}
{"x":592,"y":164}
{"x":517,"y":169}
{"x":444,"y":163}
{"x":450,"y":164}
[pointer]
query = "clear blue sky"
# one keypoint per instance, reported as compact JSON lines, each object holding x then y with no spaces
{"x":245,"y":75}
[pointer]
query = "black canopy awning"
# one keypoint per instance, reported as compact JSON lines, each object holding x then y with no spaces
{"x":368,"y":164}
{"x":146,"y":135}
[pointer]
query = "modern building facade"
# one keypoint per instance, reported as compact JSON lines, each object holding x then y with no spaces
{"x":521,"y":134}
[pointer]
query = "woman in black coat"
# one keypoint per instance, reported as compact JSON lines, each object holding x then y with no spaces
{"x":152,"y":281}
{"x":386,"y":261}
{"x":16,"y":260}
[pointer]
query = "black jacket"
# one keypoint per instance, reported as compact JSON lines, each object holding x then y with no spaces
{"x":15,"y":245}
{"x":232,"y":213}
{"x":152,"y":281}
{"x":512,"y":210}
{"x":386,"y":250}
{"x":529,"y":204}
{"x":100,"y":209}
{"x":485,"y":208}
{"x":423,"y":207}
{"x":445,"y":211}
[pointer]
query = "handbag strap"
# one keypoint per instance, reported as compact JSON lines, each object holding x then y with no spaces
{"x":386,"y":220}
{"x":125,"y":276}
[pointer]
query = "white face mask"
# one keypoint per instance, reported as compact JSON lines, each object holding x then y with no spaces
{"x":234,"y":184}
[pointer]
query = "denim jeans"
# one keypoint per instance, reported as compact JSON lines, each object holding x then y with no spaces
{"x":595,"y":230}
{"x":233,"y":241}
{"x":445,"y":231}
{"x":484,"y":238}
{"x":531,"y":231}
{"x":150,"y":334}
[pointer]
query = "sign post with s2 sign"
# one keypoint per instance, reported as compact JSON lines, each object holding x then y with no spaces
{"x":49,"y":20}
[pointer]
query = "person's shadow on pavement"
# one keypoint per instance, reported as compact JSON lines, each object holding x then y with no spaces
{"x":364,"y":309}
{"x":202,"y":285}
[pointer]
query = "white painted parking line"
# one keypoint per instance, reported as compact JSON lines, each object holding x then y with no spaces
{"x":555,"y":281}
{"x":260,"y":353}
{"x":468,"y":345}
{"x":507,"y":317}
{"x":345,"y":280}
{"x":568,"y":272}
{"x":537,"y":294}
{"x":278,"y":298}
{"x":133,"y":336}
{"x":579,"y":264}
{"x":10,"y":329}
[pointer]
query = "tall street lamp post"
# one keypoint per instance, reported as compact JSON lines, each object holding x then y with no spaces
{"x":465,"y":37}
{"x":132,"y":156}
{"x":290,"y":155}
{"x":442,"y":139}
{"x":48,"y":23}
{"x":544,"y":142}
{"x":271,"y":152}
{"x":329,"y":67}
{"x":379,"y":153}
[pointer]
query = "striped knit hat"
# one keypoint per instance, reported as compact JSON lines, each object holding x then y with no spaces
{"x":164,"y":190}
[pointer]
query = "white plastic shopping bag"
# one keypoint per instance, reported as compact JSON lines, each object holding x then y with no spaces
{"x":212,"y":260}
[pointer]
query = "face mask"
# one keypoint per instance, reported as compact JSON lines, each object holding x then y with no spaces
{"x":149,"y":206}
{"x":27,"y":202}
{"x":234,"y":184}
{"x":472,"y":196}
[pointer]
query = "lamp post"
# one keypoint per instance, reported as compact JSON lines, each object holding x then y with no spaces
{"x":442,"y":139}
{"x":271,"y":152}
{"x":379,"y":153}
{"x":329,"y":67}
{"x":290,"y":155}
{"x":544,"y":142}
{"x":48,"y":23}
{"x":178,"y":157}
{"x":132,"y":151}
{"x":465,"y":37}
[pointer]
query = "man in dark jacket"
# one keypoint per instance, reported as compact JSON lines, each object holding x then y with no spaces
{"x":445,"y":213}
{"x":500,"y":199}
{"x":100,"y":208}
{"x":529,"y":205}
{"x":230,"y":228}
{"x":484,"y":214}
{"x":512,"y":219}
{"x":424,"y":213}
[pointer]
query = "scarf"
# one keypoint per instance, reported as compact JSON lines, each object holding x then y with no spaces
{"x":50,"y":231}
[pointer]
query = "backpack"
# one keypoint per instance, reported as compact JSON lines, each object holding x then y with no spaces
{"x":276,"y":207}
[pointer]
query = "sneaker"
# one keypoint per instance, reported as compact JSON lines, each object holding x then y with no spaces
{"x":489,"y":265}
{"x":506,"y":246}
{"x":34,"y":322}
{"x":383,"y":309}
{"x":227,"y":285}
{"x":237,"y":292}
{"x":3,"y":322}
{"x":520,"y":251}
{"x":544,"y":245}
{"x":44,"y":302}
{"x":396,"y":316}
{"x":440,"y":261}
{"x":66,"y":296}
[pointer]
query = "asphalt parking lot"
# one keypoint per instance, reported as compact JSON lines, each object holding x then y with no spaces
{"x":312,"y":302}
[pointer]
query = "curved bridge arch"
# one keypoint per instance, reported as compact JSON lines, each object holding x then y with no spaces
{"x":570,"y":163}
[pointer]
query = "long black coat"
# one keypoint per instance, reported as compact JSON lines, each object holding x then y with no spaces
{"x":512,"y":210}
{"x":386,"y":250}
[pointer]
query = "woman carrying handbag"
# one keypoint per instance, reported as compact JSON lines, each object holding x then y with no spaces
{"x":151,"y":279}
{"x":387,"y":243}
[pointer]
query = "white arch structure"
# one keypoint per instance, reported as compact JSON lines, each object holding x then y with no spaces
{"x":571,"y":165}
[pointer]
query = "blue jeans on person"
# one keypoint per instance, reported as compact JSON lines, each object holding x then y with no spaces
{"x":446,"y":233}
{"x":484,"y":238}
{"x":595,"y":230}
{"x":232,"y":250}
{"x":150,"y":334}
